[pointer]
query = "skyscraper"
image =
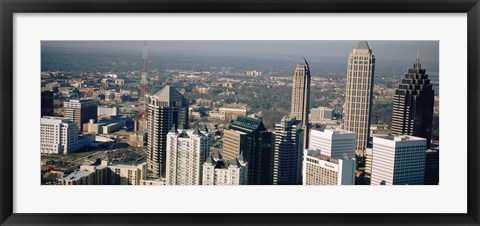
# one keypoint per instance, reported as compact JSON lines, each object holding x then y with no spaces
{"x":412,"y":112}
{"x":81,"y":111}
{"x":187,"y":150}
{"x":249,"y":137}
{"x":398,"y":160}
{"x":358,"y":95}
{"x":165,"y":108}
{"x":288,"y":153}
{"x":300,"y":106}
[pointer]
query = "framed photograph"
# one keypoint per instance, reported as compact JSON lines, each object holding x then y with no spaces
{"x":239,"y":113}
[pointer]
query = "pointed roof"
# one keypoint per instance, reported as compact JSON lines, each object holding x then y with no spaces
{"x":181,"y":126}
{"x":216,"y":154}
{"x":197,"y":132}
{"x":184,"y":134}
{"x":363,"y":45}
{"x":234,"y":162}
{"x":303,"y":61}
{"x":204,"y":128}
{"x":168,"y":93}
{"x":240,"y":157}
{"x":173,"y":129}
{"x":210,"y":160}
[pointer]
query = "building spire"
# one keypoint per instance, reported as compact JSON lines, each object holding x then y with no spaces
{"x":417,"y":63}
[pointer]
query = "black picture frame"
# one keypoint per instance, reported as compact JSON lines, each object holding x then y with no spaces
{"x":9,"y":7}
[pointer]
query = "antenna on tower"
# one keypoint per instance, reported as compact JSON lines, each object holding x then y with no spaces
{"x":144,"y":77}
{"x":143,"y":86}
{"x":417,"y":64}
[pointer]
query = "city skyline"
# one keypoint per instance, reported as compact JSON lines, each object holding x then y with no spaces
{"x":235,"y":125}
{"x":330,"y":49}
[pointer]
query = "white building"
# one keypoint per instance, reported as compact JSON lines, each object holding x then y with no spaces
{"x":58,"y":135}
{"x":186,"y":152}
{"x":320,"y":114}
{"x":217,"y":171}
{"x":336,"y":143}
{"x":398,"y":160}
{"x":321,"y":169}
{"x":104,"y":111}
{"x":254,"y":73}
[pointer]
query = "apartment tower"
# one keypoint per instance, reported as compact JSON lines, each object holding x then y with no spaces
{"x":187,"y":150}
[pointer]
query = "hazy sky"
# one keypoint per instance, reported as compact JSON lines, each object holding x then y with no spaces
{"x":387,"y":50}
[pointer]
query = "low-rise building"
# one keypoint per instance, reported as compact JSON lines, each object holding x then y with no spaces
{"x":232,"y":111}
{"x":58,"y":135}
{"x":321,"y":114}
{"x":105,"y":111}
{"x":106,"y":174}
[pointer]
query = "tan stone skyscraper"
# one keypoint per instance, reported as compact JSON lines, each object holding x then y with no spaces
{"x":358,"y":95}
{"x":301,"y":96}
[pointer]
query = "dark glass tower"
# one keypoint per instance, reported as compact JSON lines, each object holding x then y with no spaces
{"x":249,"y":137}
{"x":412,"y":112}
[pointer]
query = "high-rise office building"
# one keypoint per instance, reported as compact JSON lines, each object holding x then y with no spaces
{"x":165,"y":108}
{"x":412,"y":112}
{"x":187,"y":150}
{"x":58,"y":135}
{"x":81,"y":111}
{"x":288,"y":152}
{"x":300,"y":106}
{"x":249,"y":137}
{"x":217,"y":171}
{"x":320,"y":169}
{"x":47,"y":103}
{"x":398,"y":160}
{"x":336,"y":143}
{"x":358,"y":95}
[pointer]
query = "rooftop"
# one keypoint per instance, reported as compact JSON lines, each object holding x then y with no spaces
{"x":316,"y":154}
{"x":168,"y":93}
{"x":363,"y":45}
{"x":77,"y":175}
{"x":122,"y":166}
{"x":251,"y":123}
{"x":400,"y":138}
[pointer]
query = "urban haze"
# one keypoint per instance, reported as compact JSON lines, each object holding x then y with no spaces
{"x":240,"y":112}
